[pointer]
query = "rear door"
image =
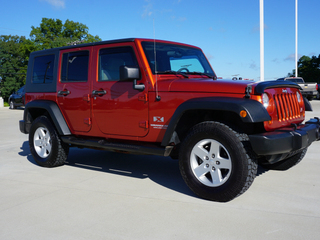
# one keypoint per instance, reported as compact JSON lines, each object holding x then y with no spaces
{"x":73,"y":88}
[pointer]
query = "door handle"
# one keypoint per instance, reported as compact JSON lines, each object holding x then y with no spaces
{"x":64,"y":92}
{"x":99,"y":92}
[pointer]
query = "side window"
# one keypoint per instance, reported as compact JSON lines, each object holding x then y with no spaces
{"x":43,"y":69}
{"x":74,"y":67}
{"x":110,"y":60}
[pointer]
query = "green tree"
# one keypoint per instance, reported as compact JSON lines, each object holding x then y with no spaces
{"x":15,"y":50}
{"x":308,"y":69}
{"x":13,"y":64}
{"x":53,"y":33}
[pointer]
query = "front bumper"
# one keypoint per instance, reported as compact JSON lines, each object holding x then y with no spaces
{"x":286,"y":140}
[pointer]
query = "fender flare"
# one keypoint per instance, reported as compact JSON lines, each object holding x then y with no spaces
{"x":53,"y":111}
{"x":255,"y":111}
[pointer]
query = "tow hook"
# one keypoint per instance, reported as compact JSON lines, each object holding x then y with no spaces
{"x":294,"y":126}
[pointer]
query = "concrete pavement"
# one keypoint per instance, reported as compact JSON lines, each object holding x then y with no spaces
{"x":104,"y":195}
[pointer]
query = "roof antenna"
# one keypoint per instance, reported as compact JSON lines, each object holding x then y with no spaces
{"x":158,"y":98}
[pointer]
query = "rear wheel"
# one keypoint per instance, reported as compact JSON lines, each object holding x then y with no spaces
{"x":214,"y":163}
{"x":45,"y":144}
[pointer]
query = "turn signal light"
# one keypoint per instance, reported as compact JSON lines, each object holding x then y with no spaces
{"x":243,"y":113}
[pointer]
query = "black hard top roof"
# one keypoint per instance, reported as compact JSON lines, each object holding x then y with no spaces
{"x":55,"y":50}
{"x":85,"y":45}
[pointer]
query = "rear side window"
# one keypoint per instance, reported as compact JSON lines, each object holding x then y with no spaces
{"x":43,"y":69}
{"x":75,"y":66}
{"x":111,"y":59}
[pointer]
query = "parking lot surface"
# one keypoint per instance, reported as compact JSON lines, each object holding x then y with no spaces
{"x":106,"y":195}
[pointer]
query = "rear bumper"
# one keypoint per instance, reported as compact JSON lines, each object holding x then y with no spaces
{"x":286,"y":140}
{"x":309,"y":93}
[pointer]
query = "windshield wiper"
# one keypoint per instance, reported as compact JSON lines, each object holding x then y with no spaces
{"x":173,"y":72}
{"x":205,"y":74}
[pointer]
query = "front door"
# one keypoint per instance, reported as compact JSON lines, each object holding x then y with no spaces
{"x":73,"y":88}
{"x":118,"y":109}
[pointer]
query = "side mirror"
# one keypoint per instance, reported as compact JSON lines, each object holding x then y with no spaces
{"x":128,"y":73}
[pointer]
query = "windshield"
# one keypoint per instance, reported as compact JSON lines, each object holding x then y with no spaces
{"x":176,"y":58}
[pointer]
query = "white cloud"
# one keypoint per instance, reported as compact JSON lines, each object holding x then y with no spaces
{"x":147,"y":9}
{"x":257,"y":28}
{"x":209,"y":56}
{"x":56,"y":3}
{"x":276,"y":60}
{"x":292,"y":57}
{"x":253,"y":65}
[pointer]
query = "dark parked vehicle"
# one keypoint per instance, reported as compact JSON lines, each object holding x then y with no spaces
{"x":16,"y":99}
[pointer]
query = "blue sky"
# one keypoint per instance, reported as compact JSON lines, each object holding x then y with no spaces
{"x":226,"y":30}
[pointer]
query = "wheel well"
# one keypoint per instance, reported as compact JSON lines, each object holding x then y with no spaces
{"x":49,"y":109}
{"x":193,"y":117}
{"x":34,"y":113}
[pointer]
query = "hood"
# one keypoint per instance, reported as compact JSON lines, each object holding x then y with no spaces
{"x":203,"y":85}
{"x":220,"y":85}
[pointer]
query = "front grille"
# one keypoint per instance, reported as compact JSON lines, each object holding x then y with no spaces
{"x":287,"y":106}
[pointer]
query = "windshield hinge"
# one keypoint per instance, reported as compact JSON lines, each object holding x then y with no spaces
{"x":248,"y":91}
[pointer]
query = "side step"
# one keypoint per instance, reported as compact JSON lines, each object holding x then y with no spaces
{"x":117,"y":146}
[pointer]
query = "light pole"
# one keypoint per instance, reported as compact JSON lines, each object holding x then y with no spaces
{"x":261,"y":42}
{"x":296,"y":54}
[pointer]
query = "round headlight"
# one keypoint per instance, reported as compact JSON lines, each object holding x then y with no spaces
{"x":298,"y":96}
{"x":265,"y":100}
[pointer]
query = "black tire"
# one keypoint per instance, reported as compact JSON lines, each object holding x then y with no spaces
{"x":214,"y":162}
{"x":288,"y":162}
{"x":45,"y":144}
{"x":12,"y":106}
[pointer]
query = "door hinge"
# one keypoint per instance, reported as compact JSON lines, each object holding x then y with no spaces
{"x":86,"y":98}
{"x":143,"y":97}
{"x":144,"y":124}
{"x":87,"y":121}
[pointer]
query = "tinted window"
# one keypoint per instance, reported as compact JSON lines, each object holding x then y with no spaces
{"x":75,"y":66}
{"x":43,"y":69}
{"x":190,"y":63}
{"x":172,"y":57}
{"x":110,"y":60}
{"x":296,"y":80}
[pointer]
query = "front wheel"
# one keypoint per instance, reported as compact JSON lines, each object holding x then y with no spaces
{"x":214,"y":163}
{"x":45,"y":144}
{"x":12,"y":106}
